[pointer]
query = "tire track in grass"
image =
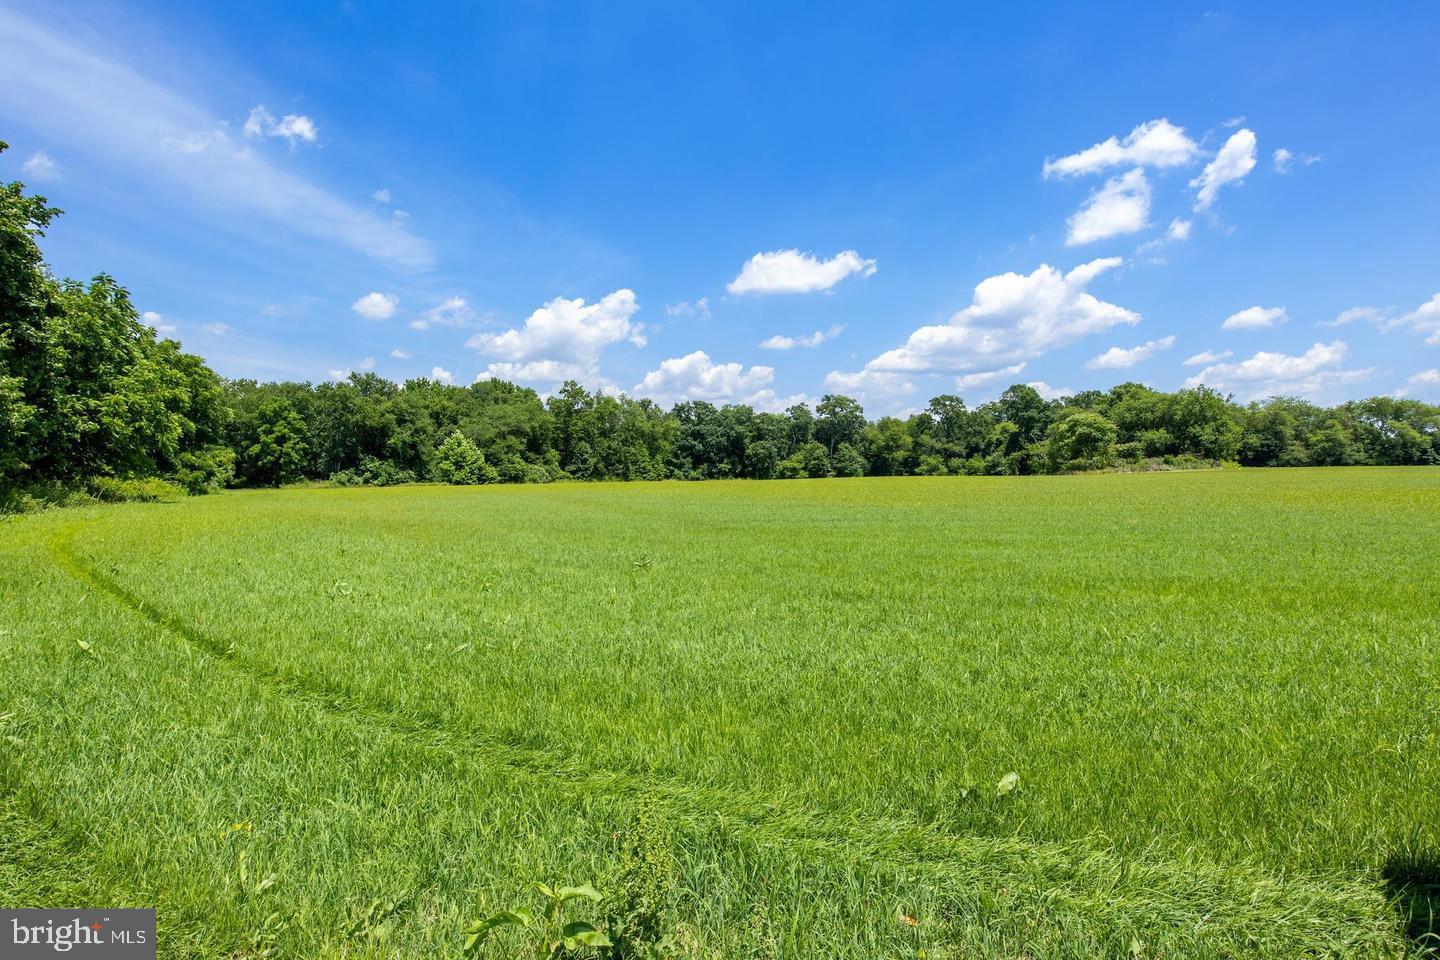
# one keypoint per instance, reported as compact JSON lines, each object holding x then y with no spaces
{"x":1240,"y":905}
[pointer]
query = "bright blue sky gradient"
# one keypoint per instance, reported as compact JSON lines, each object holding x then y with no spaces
{"x":540,"y":151}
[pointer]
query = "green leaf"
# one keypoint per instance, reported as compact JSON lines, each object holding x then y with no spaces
{"x":84,"y":646}
{"x":581,"y":934}
{"x":477,"y":932}
{"x":570,"y":893}
{"x":1007,"y":783}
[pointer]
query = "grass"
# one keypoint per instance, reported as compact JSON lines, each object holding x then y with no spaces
{"x":1217,"y":691}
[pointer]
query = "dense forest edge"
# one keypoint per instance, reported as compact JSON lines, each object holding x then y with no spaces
{"x":94,"y":405}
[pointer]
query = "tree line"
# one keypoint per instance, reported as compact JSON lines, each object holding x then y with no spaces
{"x":88,"y":391}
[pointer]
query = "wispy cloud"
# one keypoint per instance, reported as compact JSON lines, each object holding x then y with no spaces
{"x":92,"y":102}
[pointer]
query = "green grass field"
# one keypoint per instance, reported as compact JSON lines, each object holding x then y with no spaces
{"x":1218,"y":691}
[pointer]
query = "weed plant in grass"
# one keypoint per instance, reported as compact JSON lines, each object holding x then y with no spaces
{"x":1186,"y":714}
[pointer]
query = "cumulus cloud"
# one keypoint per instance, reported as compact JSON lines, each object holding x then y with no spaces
{"x":700,"y":308}
{"x":563,"y":339}
{"x":1426,"y":382}
{"x":1284,"y":160}
{"x":790,"y":271}
{"x":696,"y":377}
{"x":441,"y":375}
{"x":1312,"y":374}
{"x":381,"y":196}
{"x":1118,"y":358}
{"x":1344,"y":317}
{"x":1423,"y":319}
{"x":1158,"y":143}
{"x":1231,"y":164}
{"x":1208,"y":356}
{"x":1254,"y":318}
{"x":985,"y":378}
{"x":399,"y":354}
{"x":1178,"y":230}
{"x":1121,"y":206}
{"x":41,"y":166}
{"x":216,"y":329}
{"x":779,"y":342}
{"x":157,"y":322}
{"x":367,"y":364}
{"x":292,"y":127}
{"x":1013,"y":318}
{"x":451,"y":312}
{"x":868,"y":385}
{"x":376,"y":306}
{"x":1048,"y":392}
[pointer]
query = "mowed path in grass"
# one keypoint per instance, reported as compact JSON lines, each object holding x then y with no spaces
{"x":1217,"y":690}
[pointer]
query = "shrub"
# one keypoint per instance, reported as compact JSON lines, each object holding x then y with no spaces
{"x":148,"y":490}
{"x":848,"y":462}
{"x":931,"y":465}
{"x":202,"y":471}
{"x":372,"y":472}
{"x":459,"y":461}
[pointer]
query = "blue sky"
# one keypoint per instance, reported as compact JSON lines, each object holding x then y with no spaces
{"x":753,"y":203}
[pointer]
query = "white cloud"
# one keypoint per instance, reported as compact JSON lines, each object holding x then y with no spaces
{"x":985,"y":378}
{"x":1178,"y":230}
{"x":869,"y":385}
{"x":216,"y":329}
{"x":41,"y":166}
{"x":339,"y":374}
{"x":1118,"y":358}
{"x":1013,"y":318}
{"x":156,"y":322}
{"x":1232,"y":163}
{"x":400,"y":216}
{"x":271,"y":310}
{"x":1208,"y":356}
{"x":700,"y":308}
{"x":441,"y":375}
{"x":381,"y":196}
{"x":1423,"y":381}
{"x":1048,"y":392}
{"x":1373,"y":314}
{"x":399,"y":354}
{"x":1423,"y":319}
{"x":1121,"y":206}
{"x":790,"y":271}
{"x":563,"y":339}
{"x":1313,"y":374}
{"x":1253,"y":318}
{"x":367,"y":364}
{"x":376,"y":305}
{"x":1284,"y":160}
{"x":291,"y":127}
{"x":1158,"y":143}
{"x":78,"y":95}
{"x":695,"y":377}
{"x":779,"y":342}
{"x":451,"y":312}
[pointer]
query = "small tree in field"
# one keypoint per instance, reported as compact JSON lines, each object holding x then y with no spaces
{"x":459,"y":461}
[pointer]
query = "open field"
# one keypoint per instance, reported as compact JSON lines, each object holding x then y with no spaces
{"x":1217,"y":689}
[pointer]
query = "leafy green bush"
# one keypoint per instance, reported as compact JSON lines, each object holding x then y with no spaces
{"x":148,"y":490}
{"x":459,"y":461}
{"x":204,"y":471}
{"x":372,"y":472}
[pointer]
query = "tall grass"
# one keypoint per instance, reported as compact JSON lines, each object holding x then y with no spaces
{"x":1184,"y":714}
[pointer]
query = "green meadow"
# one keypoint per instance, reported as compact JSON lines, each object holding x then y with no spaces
{"x":1150,"y":715}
